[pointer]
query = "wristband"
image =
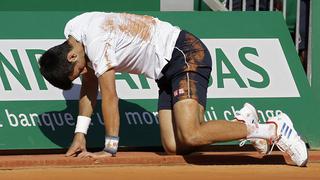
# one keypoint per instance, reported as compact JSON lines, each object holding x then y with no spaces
{"x":111,"y":144}
{"x":83,"y":124}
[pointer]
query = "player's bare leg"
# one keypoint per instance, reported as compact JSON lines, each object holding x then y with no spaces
{"x":193,"y":133}
{"x":168,"y":133}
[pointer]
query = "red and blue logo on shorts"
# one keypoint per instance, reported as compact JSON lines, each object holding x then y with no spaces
{"x":178,"y":92}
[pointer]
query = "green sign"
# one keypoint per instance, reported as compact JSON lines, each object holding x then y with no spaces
{"x":315,"y":46}
{"x":80,"y":5}
{"x":254,"y":61}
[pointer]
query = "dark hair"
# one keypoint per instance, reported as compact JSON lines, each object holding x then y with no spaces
{"x":55,"y":67}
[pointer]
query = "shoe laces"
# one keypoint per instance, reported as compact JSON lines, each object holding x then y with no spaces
{"x":243,"y":142}
{"x":271,"y":149}
{"x":283,"y":147}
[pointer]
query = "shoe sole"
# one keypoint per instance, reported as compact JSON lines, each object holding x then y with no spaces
{"x":304,"y":164}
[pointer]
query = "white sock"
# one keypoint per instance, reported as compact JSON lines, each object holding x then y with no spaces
{"x":262,"y":131}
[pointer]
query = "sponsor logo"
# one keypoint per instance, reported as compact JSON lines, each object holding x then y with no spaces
{"x":242,"y":68}
{"x":178,"y":92}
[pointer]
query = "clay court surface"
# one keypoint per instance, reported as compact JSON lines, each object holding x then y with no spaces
{"x":155,"y":166}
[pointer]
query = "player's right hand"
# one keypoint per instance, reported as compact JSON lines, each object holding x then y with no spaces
{"x":78,"y":145}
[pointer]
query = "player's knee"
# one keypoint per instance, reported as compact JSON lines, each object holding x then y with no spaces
{"x":170,"y":150}
{"x":170,"y":147}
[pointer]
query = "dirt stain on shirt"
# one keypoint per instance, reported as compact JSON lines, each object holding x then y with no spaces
{"x":132,"y":25}
{"x":109,"y":25}
{"x":106,"y":56}
{"x":137,"y":25}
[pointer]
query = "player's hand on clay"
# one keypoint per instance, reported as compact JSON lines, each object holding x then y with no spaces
{"x":95,"y":155}
{"x":78,"y":145}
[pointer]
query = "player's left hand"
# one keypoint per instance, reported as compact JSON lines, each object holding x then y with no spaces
{"x":95,"y":155}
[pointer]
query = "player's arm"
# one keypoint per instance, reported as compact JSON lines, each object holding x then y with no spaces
{"x":87,"y":102}
{"x":110,"y":110}
{"x":88,"y":93}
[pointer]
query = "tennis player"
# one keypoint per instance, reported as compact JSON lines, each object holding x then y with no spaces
{"x":100,"y":44}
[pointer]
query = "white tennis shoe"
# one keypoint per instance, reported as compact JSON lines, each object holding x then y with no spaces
{"x":249,"y":115}
{"x":288,"y":140}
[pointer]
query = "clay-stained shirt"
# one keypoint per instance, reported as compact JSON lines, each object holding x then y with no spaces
{"x":130,"y":43}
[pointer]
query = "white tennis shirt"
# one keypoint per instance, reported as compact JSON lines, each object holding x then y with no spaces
{"x":126,"y":42}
